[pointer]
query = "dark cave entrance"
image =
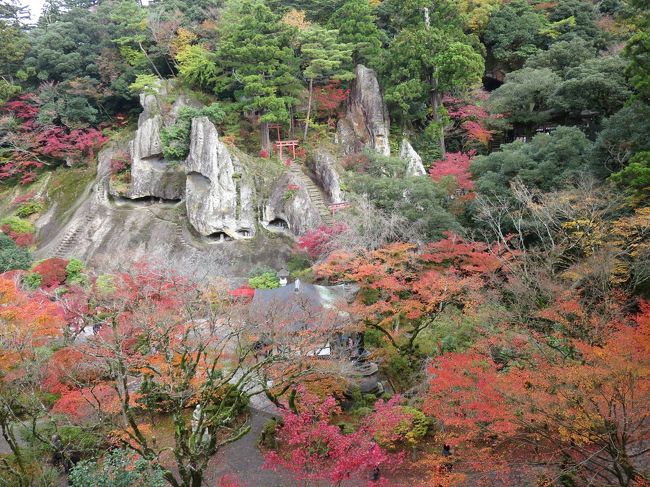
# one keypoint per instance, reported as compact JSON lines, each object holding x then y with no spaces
{"x":220,"y":237}
{"x":279,"y":223}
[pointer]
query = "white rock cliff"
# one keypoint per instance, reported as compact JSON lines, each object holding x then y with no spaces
{"x":366,"y":123}
{"x":151,"y":175}
{"x":414,"y":166}
{"x":219,"y":196}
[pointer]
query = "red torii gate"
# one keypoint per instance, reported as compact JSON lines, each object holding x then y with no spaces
{"x":277,"y":127}
{"x":280,"y":144}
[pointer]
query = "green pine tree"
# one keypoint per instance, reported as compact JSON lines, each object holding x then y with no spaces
{"x":323,"y":58}
{"x":259,"y":65}
{"x":429,"y":57}
{"x":357,"y":25}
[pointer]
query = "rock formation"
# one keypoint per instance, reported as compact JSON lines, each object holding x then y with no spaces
{"x":151,"y":175}
{"x":414,"y":166}
{"x":113,"y":237}
{"x":366,"y":123}
{"x":322,"y":164}
{"x":219,"y":196}
{"x":290,"y":206}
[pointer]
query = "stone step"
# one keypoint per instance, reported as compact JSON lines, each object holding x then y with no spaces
{"x":315,"y":194}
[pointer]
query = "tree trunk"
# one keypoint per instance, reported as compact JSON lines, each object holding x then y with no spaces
{"x":311,"y":92}
{"x":436,"y":102}
{"x":291,"y":121}
{"x":197,"y":478}
{"x":265,"y":139}
{"x":150,"y":61}
{"x":8,"y":434}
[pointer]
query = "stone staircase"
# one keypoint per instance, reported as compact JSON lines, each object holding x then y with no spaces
{"x":70,"y":239}
{"x":180,"y":235}
{"x":315,"y":194}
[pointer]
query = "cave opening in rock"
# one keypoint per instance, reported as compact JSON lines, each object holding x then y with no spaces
{"x":245,"y":232}
{"x":220,"y":237}
{"x":146,"y":201}
{"x":279,"y":223}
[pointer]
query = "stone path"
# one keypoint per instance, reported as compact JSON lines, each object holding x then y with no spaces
{"x":315,"y":194}
{"x":244,"y":459}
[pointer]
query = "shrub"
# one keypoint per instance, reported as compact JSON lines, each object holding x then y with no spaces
{"x":12,"y":257}
{"x":298,"y":262}
{"x":19,"y":230}
{"x":396,"y":426}
{"x":74,"y":272}
{"x":145,"y":83}
{"x":105,"y":284}
{"x":17,"y":225}
{"x":266,"y":280}
{"x":362,"y":412}
{"x":119,"y":468}
{"x":52,"y":271}
{"x":32,"y":280}
{"x":176,"y":138}
{"x":29,"y":208}
{"x":120,"y":163}
{"x":289,"y":195}
{"x":20,"y":239}
{"x":346,"y":428}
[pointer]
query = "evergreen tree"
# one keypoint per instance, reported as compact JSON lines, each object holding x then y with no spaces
{"x":515,"y":33}
{"x":323,"y":59}
{"x":316,"y":10}
{"x":15,"y":45}
{"x":66,"y":49}
{"x":426,"y":59}
{"x":259,"y":64}
{"x":637,"y":50}
{"x":357,"y":25}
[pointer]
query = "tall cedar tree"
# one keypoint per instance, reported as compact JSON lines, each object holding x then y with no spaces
{"x":323,"y":58}
{"x":260,"y":66}
{"x":357,"y":25}
{"x":429,"y":57}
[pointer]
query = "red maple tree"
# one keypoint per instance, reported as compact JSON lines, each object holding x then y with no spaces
{"x":584,"y":409}
{"x":314,"y":449}
{"x":454,"y":170}
{"x":316,"y":242}
{"x":33,"y":145}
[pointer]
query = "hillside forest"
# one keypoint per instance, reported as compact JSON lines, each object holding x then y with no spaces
{"x":488,"y":245}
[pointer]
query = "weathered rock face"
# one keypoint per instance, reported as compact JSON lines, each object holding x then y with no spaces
{"x":322,"y":163}
{"x":112,"y":236}
{"x":218,"y":196}
{"x":290,"y":207}
{"x":414,"y":166}
{"x":366,"y":123}
{"x":151,"y":175}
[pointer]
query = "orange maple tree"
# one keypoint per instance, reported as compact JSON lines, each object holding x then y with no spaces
{"x":585,"y":408}
{"x":163,"y":345}
{"x":404,"y":290}
{"x":28,"y":322}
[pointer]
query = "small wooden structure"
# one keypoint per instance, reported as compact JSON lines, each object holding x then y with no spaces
{"x":334,"y":207}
